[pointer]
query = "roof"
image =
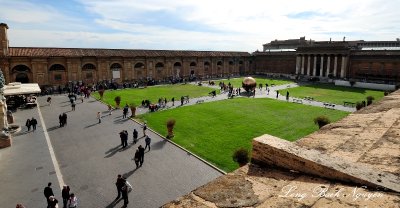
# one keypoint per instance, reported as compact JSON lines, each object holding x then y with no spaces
{"x":16,"y":88}
{"x":81,"y":52}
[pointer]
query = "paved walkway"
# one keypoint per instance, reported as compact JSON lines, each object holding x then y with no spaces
{"x":89,"y":157}
{"x":259,"y":94}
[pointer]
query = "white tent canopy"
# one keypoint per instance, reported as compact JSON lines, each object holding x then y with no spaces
{"x":17,"y":88}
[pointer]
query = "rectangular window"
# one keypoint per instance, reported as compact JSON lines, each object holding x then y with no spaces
{"x":57,"y":77}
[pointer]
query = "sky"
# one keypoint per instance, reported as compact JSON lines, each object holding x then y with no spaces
{"x":211,"y":25}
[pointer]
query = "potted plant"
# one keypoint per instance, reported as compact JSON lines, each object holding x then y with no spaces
{"x":359,"y":105}
{"x":241,"y":156}
{"x":321,"y":121}
{"x":117,"y":101}
{"x":369,"y":100}
{"x":101,"y":91}
{"x":170,"y":128}
{"x":133,"y":109}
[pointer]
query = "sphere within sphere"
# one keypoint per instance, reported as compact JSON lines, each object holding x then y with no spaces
{"x":249,"y":84}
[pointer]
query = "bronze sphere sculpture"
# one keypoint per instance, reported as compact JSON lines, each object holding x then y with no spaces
{"x":249,"y":84}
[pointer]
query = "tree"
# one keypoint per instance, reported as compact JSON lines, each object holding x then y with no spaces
{"x":117,"y":101}
{"x":241,"y":156}
{"x":321,"y":121}
{"x":133,"y":109}
{"x":170,"y":127}
{"x":370,"y":99}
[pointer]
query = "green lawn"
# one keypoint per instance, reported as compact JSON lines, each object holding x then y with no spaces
{"x":153,"y":93}
{"x":214,"y":130}
{"x":333,"y":94}
{"x":237,"y":82}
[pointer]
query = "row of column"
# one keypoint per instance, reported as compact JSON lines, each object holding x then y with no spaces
{"x":300,"y":65}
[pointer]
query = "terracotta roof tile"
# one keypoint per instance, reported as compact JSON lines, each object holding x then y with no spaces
{"x":79,"y":52}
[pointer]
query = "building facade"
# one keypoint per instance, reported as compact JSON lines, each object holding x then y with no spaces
{"x":369,"y":61}
{"x":58,"y":66}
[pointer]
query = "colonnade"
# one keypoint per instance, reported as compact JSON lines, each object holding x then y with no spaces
{"x":304,"y":66}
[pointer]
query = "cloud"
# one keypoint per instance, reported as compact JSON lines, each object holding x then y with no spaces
{"x":199,"y":25}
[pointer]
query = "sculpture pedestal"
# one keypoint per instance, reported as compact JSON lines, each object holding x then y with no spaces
{"x":5,"y":140}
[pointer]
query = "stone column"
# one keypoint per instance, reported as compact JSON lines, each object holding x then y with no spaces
{"x":328,"y":66}
{"x":343,"y":68}
{"x":308,"y":64}
{"x":297,"y":64}
{"x":302,"y":64}
{"x":315,"y":66}
{"x":321,"y":68}
{"x":335,"y":67}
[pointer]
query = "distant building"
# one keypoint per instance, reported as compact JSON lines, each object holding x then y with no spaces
{"x":59,"y":66}
{"x":371,"y":61}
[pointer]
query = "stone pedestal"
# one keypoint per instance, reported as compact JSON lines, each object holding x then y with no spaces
{"x":5,"y":138}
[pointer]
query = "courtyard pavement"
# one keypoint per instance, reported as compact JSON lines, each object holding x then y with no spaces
{"x":88,"y":156}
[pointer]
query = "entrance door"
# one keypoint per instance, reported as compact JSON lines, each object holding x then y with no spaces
{"x":22,"y":77}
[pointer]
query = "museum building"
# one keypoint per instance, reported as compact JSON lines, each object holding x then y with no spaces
{"x":365,"y":61}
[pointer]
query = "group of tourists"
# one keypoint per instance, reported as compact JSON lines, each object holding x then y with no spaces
{"x":69,"y":199}
{"x":31,"y":122}
{"x":62,"y":119}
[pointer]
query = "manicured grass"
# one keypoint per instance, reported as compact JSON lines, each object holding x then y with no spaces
{"x":237,"y":82}
{"x":153,"y":93}
{"x":333,"y":94}
{"x":215,"y":130}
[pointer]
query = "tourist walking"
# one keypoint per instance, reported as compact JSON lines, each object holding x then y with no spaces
{"x":141,"y":154}
{"x":148,"y":141}
{"x":287,"y":95}
{"x":99,"y":117}
{"x":33,"y":123}
{"x":125,"y":111}
{"x":119,"y":184}
{"x":64,"y":118}
{"x":49,"y":100}
{"x":109,"y":109}
{"x":28,"y":124}
{"x":277,"y":94}
{"x":82,"y":98}
{"x":53,"y":202}
{"x":126,"y":188}
{"x":72,"y":201}
{"x":73,"y":105}
{"x":137,"y":158}
{"x":65,"y":195}
{"x":135,"y":136}
{"x":173,"y":101}
{"x":48,"y":191}
{"x":144,"y":129}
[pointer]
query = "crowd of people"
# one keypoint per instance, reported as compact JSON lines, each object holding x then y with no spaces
{"x":69,"y":199}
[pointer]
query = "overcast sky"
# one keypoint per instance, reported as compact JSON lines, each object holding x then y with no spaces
{"x":229,"y":25}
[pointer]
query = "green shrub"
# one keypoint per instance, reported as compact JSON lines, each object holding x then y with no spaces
{"x":359,"y":105}
{"x":321,"y":121}
{"x":241,"y":156}
{"x":370,"y":99}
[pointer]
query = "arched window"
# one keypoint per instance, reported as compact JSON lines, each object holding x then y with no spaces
{"x":219,"y":64}
{"x":57,"y":67}
{"x":206,"y":65}
{"x":116,"y":66}
{"x":159,"y":66}
{"x":116,"y":70}
{"x":230,"y":63}
{"x":177,"y":64}
{"x":88,"y":67}
{"x":139,"y":65}
{"x":21,"y":68}
{"x":193,"y":64}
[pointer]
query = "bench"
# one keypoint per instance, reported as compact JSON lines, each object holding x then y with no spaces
{"x":295,"y":100}
{"x":199,"y":101}
{"x":346,"y":103}
{"x":329,"y":105}
{"x":308,"y":98}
